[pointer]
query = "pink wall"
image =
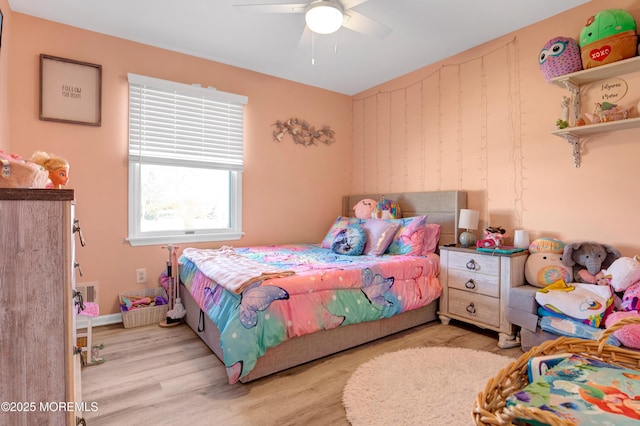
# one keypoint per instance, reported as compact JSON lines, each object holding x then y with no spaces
{"x":291,"y":193}
{"x":481,"y":121}
{"x":478,"y":121}
{"x":5,"y":51}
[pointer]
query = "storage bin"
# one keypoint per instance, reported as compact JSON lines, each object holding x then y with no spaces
{"x":144,"y":315}
{"x":490,"y":407}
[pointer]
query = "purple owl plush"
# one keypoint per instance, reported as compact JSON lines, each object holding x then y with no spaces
{"x":560,"y":56}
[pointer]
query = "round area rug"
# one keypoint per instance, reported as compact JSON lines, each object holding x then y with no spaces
{"x":420,"y":386}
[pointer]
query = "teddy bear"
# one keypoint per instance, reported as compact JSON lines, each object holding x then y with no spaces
{"x":587,"y":259}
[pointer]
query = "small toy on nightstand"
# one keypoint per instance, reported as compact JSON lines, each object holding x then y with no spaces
{"x":496,"y":234}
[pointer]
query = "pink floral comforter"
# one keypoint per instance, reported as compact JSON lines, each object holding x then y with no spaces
{"x":327,"y":291}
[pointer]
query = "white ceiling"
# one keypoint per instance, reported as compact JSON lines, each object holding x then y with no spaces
{"x":423,"y":32}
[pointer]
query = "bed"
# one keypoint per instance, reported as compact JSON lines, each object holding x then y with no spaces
{"x":270,"y":323}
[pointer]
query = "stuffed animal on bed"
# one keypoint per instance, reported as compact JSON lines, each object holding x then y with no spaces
{"x":387,"y":209}
{"x":587,"y":259}
{"x":608,"y":36}
{"x":364,"y":208}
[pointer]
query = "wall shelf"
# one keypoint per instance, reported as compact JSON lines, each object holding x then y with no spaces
{"x":590,"y":75}
{"x":573,"y":82}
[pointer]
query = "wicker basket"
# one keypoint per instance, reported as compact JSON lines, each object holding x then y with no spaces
{"x":489,"y":409}
{"x":146,"y":315}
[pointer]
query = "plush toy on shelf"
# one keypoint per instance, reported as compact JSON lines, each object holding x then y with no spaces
{"x":608,"y":36}
{"x":559,"y":56}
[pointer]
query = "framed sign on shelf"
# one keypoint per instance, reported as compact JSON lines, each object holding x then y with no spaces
{"x":70,"y":91}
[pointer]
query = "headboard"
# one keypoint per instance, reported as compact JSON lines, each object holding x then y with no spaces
{"x":441,"y":207}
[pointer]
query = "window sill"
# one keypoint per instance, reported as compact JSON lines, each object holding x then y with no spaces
{"x":191,"y":238}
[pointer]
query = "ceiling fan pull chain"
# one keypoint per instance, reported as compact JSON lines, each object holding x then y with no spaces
{"x":313,"y":48}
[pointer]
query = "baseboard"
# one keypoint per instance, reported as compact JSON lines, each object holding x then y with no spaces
{"x":81,"y":321}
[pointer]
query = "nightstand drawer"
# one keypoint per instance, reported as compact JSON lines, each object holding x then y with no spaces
{"x":475,"y":283}
{"x":474,"y":263}
{"x":476,"y":307}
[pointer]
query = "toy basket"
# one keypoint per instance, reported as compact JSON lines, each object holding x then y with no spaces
{"x":490,"y":407}
{"x":22,"y":174}
{"x":144,"y":315}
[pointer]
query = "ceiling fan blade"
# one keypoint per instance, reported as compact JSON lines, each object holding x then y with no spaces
{"x":360,"y":23}
{"x":305,"y":38}
{"x":348,"y":4}
{"x":272,"y":8}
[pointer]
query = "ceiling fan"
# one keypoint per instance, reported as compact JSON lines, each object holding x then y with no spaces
{"x":325,"y":16}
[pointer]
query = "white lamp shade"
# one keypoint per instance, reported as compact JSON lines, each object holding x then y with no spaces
{"x":468,"y":219}
{"x":324,"y":16}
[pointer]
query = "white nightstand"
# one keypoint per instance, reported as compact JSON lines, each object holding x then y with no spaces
{"x":475,"y":288}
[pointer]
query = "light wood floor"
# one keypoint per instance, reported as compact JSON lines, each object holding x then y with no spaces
{"x":167,"y":376}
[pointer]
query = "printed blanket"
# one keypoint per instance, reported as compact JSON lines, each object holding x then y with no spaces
{"x":230,"y":270}
{"x":327,"y":290}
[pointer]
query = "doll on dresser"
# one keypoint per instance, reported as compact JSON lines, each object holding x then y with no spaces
{"x":57,"y":167}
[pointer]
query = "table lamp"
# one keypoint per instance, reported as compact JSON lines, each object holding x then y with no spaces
{"x":468,"y":220}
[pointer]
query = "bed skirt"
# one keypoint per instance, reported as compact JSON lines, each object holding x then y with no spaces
{"x":299,"y":350}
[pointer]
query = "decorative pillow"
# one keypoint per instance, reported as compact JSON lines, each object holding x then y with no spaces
{"x":349,"y":241}
{"x":379,"y":233}
{"x":410,"y":237}
{"x":431,"y":238}
{"x":340,"y":223}
{"x":583,"y":302}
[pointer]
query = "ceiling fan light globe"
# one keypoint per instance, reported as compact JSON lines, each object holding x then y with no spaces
{"x":324,"y":17}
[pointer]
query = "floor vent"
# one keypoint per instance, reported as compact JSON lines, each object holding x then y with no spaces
{"x":89,"y":291}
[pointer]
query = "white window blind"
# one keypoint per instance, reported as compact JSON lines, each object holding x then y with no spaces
{"x":175,"y":123}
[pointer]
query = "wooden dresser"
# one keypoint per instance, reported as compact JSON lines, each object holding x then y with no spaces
{"x":475,"y":288}
{"x":39,"y":369}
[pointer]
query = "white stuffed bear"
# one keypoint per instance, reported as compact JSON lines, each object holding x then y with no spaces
{"x":544,"y":265}
{"x":623,"y":273}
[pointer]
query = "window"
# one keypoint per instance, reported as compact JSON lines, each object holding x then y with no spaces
{"x":186,"y":151}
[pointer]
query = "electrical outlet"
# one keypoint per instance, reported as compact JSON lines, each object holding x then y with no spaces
{"x":141,"y":275}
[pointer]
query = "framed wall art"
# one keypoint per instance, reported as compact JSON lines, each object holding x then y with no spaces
{"x":70,"y":91}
